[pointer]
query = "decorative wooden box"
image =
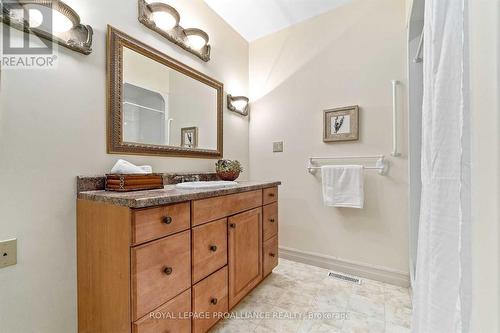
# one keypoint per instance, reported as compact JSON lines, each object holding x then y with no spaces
{"x":133,"y":182}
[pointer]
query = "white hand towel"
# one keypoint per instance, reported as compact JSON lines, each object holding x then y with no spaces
{"x":343,"y":185}
{"x":125,"y":167}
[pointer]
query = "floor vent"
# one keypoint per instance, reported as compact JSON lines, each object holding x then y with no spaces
{"x":344,"y":277}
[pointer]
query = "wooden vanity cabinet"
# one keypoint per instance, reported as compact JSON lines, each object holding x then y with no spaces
{"x":154,"y":269}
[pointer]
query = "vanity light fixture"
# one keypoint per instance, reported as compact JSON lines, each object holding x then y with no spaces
{"x":50,"y":19}
{"x":238,"y":104}
{"x":164,"y":19}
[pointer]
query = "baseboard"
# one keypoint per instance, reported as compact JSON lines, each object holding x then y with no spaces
{"x":379,"y":273}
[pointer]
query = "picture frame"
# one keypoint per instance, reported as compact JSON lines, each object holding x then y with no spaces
{"x":341,"y":124}
{"x":189,"y":137}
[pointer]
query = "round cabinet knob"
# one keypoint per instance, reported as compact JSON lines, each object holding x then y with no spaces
{"x":168,"y":270}
{"x":271,"y":194}
{"x":167,"y":219}
{"x":271,"y":220}
{"x":272,"y":255}
{"x":213,"y":248}
{"x":232,"y":225}
{"x":213,"y":301}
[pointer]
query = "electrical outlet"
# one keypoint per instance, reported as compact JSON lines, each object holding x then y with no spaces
{"x":278,"y":147}
{"x":8,"y":253}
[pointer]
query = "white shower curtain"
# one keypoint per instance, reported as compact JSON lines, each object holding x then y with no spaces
{"x":442,"y":288}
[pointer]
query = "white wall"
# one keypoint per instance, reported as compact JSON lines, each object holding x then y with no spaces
{"x":485,"y":76}
{"x":52,"y":128}
{"x":344,"y":57}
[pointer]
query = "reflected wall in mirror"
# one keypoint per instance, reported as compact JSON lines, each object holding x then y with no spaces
{"x":159,"y":106}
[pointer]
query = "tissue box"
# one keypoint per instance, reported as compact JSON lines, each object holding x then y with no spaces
{"x":133,"y":182}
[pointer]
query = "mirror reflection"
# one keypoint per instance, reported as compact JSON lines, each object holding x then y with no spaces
{"x":162,"y":106}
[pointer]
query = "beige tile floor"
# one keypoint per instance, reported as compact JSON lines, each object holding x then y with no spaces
{"x":295,"y":288}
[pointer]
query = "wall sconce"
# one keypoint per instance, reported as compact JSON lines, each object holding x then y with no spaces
{"x":50,"y":19}
{"x":238,"y":104}
{"x":164,"y":19}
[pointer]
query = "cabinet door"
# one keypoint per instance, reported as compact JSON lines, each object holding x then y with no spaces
{"x":245,"y":253}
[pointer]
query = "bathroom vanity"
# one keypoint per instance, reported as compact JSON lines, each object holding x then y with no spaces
{"x":172,"y":260}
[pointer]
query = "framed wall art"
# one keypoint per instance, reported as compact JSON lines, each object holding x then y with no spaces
{"x":341,"y":124}
{"x":189,"y":137}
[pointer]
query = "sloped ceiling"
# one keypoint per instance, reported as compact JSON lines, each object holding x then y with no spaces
{"x":254,"y":19}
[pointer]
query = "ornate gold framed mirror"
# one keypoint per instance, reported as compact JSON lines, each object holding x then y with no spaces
{"x":153,"y":98}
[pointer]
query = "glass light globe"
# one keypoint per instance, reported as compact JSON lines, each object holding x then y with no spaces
{"x":164,"y":20}
{"x":196,"y":42}
{"x":240,"y":105}
{"x":60,"y":23}
{"x":35,"y":18}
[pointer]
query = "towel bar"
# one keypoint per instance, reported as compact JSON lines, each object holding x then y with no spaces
{"x":380,"y":165}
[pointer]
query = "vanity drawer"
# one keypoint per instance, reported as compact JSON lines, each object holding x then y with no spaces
{"x":270,"y":220}
{"x":170,"y":317}
{"x":160,"y":271}
{"x":210,"y":209}
{"x":209,"y":248}
{"x":270,"y":254}
{"x":270,"y":195}
{"x":210,"y":296}
{"x":153,"y":223}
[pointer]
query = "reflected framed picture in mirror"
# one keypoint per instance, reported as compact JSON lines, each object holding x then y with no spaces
{"x":189,"y":137}
{"x":158,"y":105}
{"x":341,"y":124}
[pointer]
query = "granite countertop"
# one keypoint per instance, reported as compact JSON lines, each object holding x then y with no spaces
{"x":169,"y":194}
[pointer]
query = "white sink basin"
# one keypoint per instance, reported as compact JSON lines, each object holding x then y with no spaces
{"x":205,"y":185}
